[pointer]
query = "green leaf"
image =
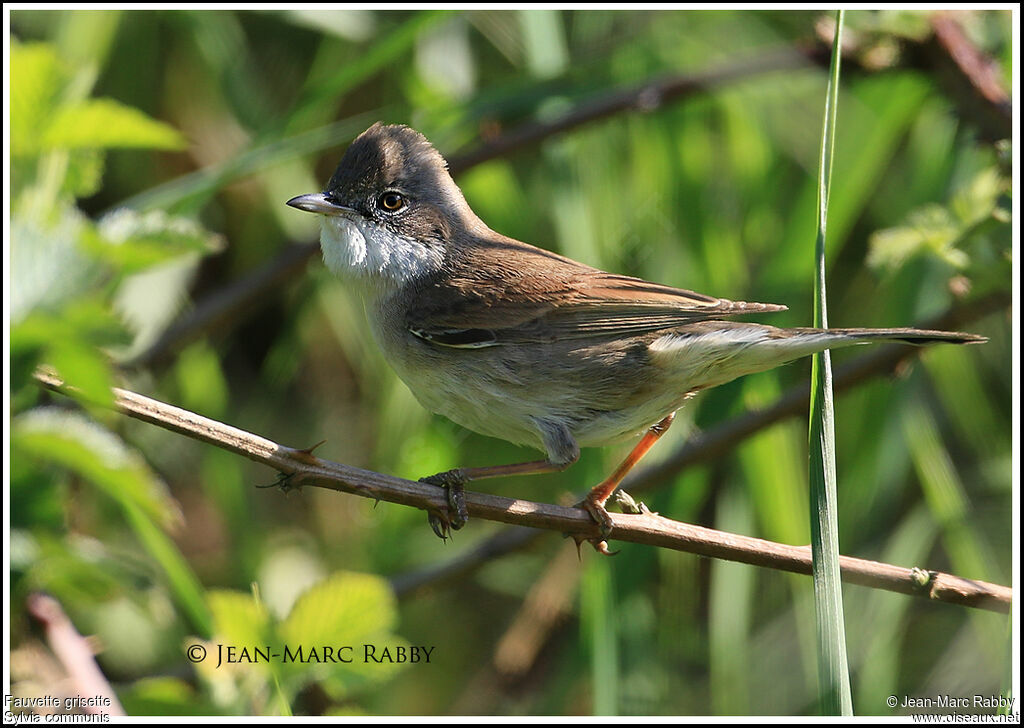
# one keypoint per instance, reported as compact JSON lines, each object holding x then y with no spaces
{"x":84,"y":172}
{"x":97,"y":455}
{"x":343,"y":609}
{"x":69,"y":339}
{"x":72,"y":574}
{"x":105,"y":123}
{"x":164,"y":696}
{"x":50,"y":268}
{"x":238,"y":619}
{"x":931,"y":228}
{"x":132,"y":241}
{"x":37,"y":77}
{"x":86,"y":320}
{"x":84,"y":369}
{"x":975,"y":201}
{"x":943,"y":231}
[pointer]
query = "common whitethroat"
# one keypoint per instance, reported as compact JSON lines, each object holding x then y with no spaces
{"x":519,"y":343}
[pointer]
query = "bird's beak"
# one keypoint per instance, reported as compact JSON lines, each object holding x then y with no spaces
{"x":319,"y":203}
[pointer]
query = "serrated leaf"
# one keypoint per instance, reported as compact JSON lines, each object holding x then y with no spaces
{"x":344,"y":609}
{"x":104,"y":124}
{"x":371,"y":662}
{"x":47,"y":267}
{"x":975,"y":201}
{"x":133,"y":241}
{"x":238,"y":619}
{"x":36,"y":78}
{"x":98,"y":456}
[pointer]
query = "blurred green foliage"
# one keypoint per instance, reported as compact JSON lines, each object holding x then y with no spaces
{"x":151,"y":155}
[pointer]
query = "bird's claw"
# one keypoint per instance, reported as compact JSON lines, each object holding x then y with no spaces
{"x":440,"y":524}
{"x":453,"y":482}
{"x":600,"y":515}
{"x":599,"y":544}
{"x":602,"y":547}
{"x":603,"y":520}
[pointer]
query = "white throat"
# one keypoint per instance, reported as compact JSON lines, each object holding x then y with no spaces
{"x":355,"y":248}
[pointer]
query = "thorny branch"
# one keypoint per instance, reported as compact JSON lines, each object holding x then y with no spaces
{"x":307,"y":469}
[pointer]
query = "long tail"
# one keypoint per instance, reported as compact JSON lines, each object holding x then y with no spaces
{"x":710,"y":353}
{"x":916,"y":337}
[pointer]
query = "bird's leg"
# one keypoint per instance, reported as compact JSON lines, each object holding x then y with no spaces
{"x":454,"y":481}
{"x":599,"y":494}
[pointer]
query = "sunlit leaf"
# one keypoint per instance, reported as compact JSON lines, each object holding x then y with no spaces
{"x":49,"y":267}
{"x":238,"y":618}
{"x":343,"y":609}
{"x":105,"y":123}
{"x":84,"y":172}
{"x":37,"y":78}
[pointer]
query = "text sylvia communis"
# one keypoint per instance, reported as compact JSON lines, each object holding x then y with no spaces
{"x":522,"y":344}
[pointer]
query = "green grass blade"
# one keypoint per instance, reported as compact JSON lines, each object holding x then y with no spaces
{"x":833,"y":669}
{"x":182,"y":582}
{"x":321,"y":92}
{"x":597,"y":622}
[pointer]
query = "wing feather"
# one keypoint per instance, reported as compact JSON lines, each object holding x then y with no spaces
{"x":532,"y":295}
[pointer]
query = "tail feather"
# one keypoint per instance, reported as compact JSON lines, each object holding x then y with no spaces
{"x":915,"y":337}
{"x":708,"y":353}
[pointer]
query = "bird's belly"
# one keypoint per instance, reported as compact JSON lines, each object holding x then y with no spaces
{"x":495,"y":392}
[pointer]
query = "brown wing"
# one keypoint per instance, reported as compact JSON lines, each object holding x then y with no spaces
{"x":526,"y":294}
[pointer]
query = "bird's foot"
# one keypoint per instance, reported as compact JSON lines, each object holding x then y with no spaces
{"x":592,"y":505}
{"x":599,"y":513}
{"x":453,"y":482}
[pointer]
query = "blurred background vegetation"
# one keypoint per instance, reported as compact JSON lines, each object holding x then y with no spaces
{"x":151,"y":156}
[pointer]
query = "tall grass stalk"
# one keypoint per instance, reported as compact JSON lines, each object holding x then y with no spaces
{"x":833,"y":670}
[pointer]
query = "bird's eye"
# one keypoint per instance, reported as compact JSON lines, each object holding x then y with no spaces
{"x":391,"y":201}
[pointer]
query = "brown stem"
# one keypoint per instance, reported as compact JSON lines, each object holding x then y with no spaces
{"x":76,"y":656}
{"x":969,"y":77}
